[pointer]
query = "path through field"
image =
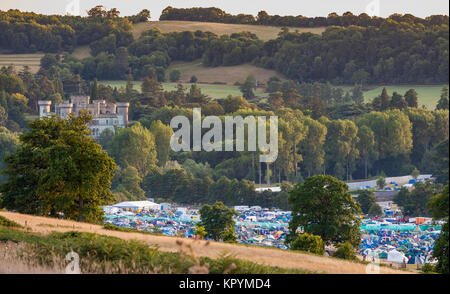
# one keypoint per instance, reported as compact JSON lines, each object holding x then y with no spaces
{"x":261,"y":255}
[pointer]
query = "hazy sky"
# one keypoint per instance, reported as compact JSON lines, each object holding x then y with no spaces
{"x":383,"y":8}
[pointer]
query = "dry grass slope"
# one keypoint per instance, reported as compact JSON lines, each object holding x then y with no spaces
{"x":20,"y":60}
{"x":224,"y":74}
{"x":263,"y":32}
{"x":261,"y":255}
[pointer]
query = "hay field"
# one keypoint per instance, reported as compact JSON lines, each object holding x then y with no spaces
{"x":20,"y":60}
{"x":226,"y":74}
{"x":263,"y":32}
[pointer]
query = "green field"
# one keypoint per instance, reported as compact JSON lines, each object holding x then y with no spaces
{"x":213,"y":91}
{"x":428,"y":95}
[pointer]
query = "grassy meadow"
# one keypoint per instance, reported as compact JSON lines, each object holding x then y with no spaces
{"x":212,"y":90}
{"x":428,"y":94}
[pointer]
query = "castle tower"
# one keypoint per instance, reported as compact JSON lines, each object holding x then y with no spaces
{"x":44,"y":107}
{"x":122,"y":110}
{"x":63,"y":109}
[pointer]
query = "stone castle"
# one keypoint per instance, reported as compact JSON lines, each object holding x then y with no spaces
{"x":106,"y":115}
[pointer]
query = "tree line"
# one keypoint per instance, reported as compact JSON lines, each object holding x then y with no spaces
{"x":213,"y":14}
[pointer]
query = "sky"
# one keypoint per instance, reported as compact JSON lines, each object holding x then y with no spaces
{"x":310,"y":8}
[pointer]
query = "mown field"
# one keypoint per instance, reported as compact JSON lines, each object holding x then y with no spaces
{"x":213,"y":91}
{"x":263,"y":32}
{"x":20,"y":60}
{"x":224,"y":74}
{"x":428,"y":95}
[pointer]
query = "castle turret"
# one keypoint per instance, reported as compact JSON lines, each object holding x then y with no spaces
{"x":122,"y":110}
{"x":44,"y":107}
{"x":63,"y":109}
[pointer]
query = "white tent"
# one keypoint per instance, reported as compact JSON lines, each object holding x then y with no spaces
{"x":396,"y":256}
{"x":273,"y":189}
{"x":137,"y":205}
{"x":110,"y":209}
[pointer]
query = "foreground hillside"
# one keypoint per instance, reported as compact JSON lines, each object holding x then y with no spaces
{"x":260,"y":255}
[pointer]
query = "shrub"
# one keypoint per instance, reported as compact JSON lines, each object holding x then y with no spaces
{"x":375,"y":210}
{"x":229,"y":236}
{"x":428,"y":268}
{"x":345,"y":251}
{"x":131,"y":230}
{"x":193,"y":79}
{"x":8,"y":223}
{"x":174,"y":75}
{"x":200,"y":231}
{"x":308,"y":242}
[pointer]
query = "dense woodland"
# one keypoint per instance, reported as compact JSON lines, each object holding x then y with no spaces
{"x":399,"y":49}
{"x":28,"y":32}
{"x":322,"y":128}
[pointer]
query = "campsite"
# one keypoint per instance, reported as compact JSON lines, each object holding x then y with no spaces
{"x":388,"y":240}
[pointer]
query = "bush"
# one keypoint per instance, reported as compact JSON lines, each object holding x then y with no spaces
{"x":381,"y":182}
{"x":193,"y":79}
{"x":174,"y":75}
{"x":308,"y":242}
{"x":375,"y":210}
{"x":130,"y":230}
{"x":229,"y":236}
{"x":345,"y":251}
{"x":8,"y":223}
{"x":428,"y":268}
{"x":200,"y":231}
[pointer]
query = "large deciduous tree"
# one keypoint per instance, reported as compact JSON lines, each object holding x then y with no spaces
{"x":322,"y":206}
{"x":59,"y":169}
{"x":439,"y":209}
{"x":217,"y":220}
{"x":162,"y":134}
{"x":311,"y":147}
{"x":134,"y":146}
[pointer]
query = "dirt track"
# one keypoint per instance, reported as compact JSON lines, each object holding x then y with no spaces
{"x":261,"y":255}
